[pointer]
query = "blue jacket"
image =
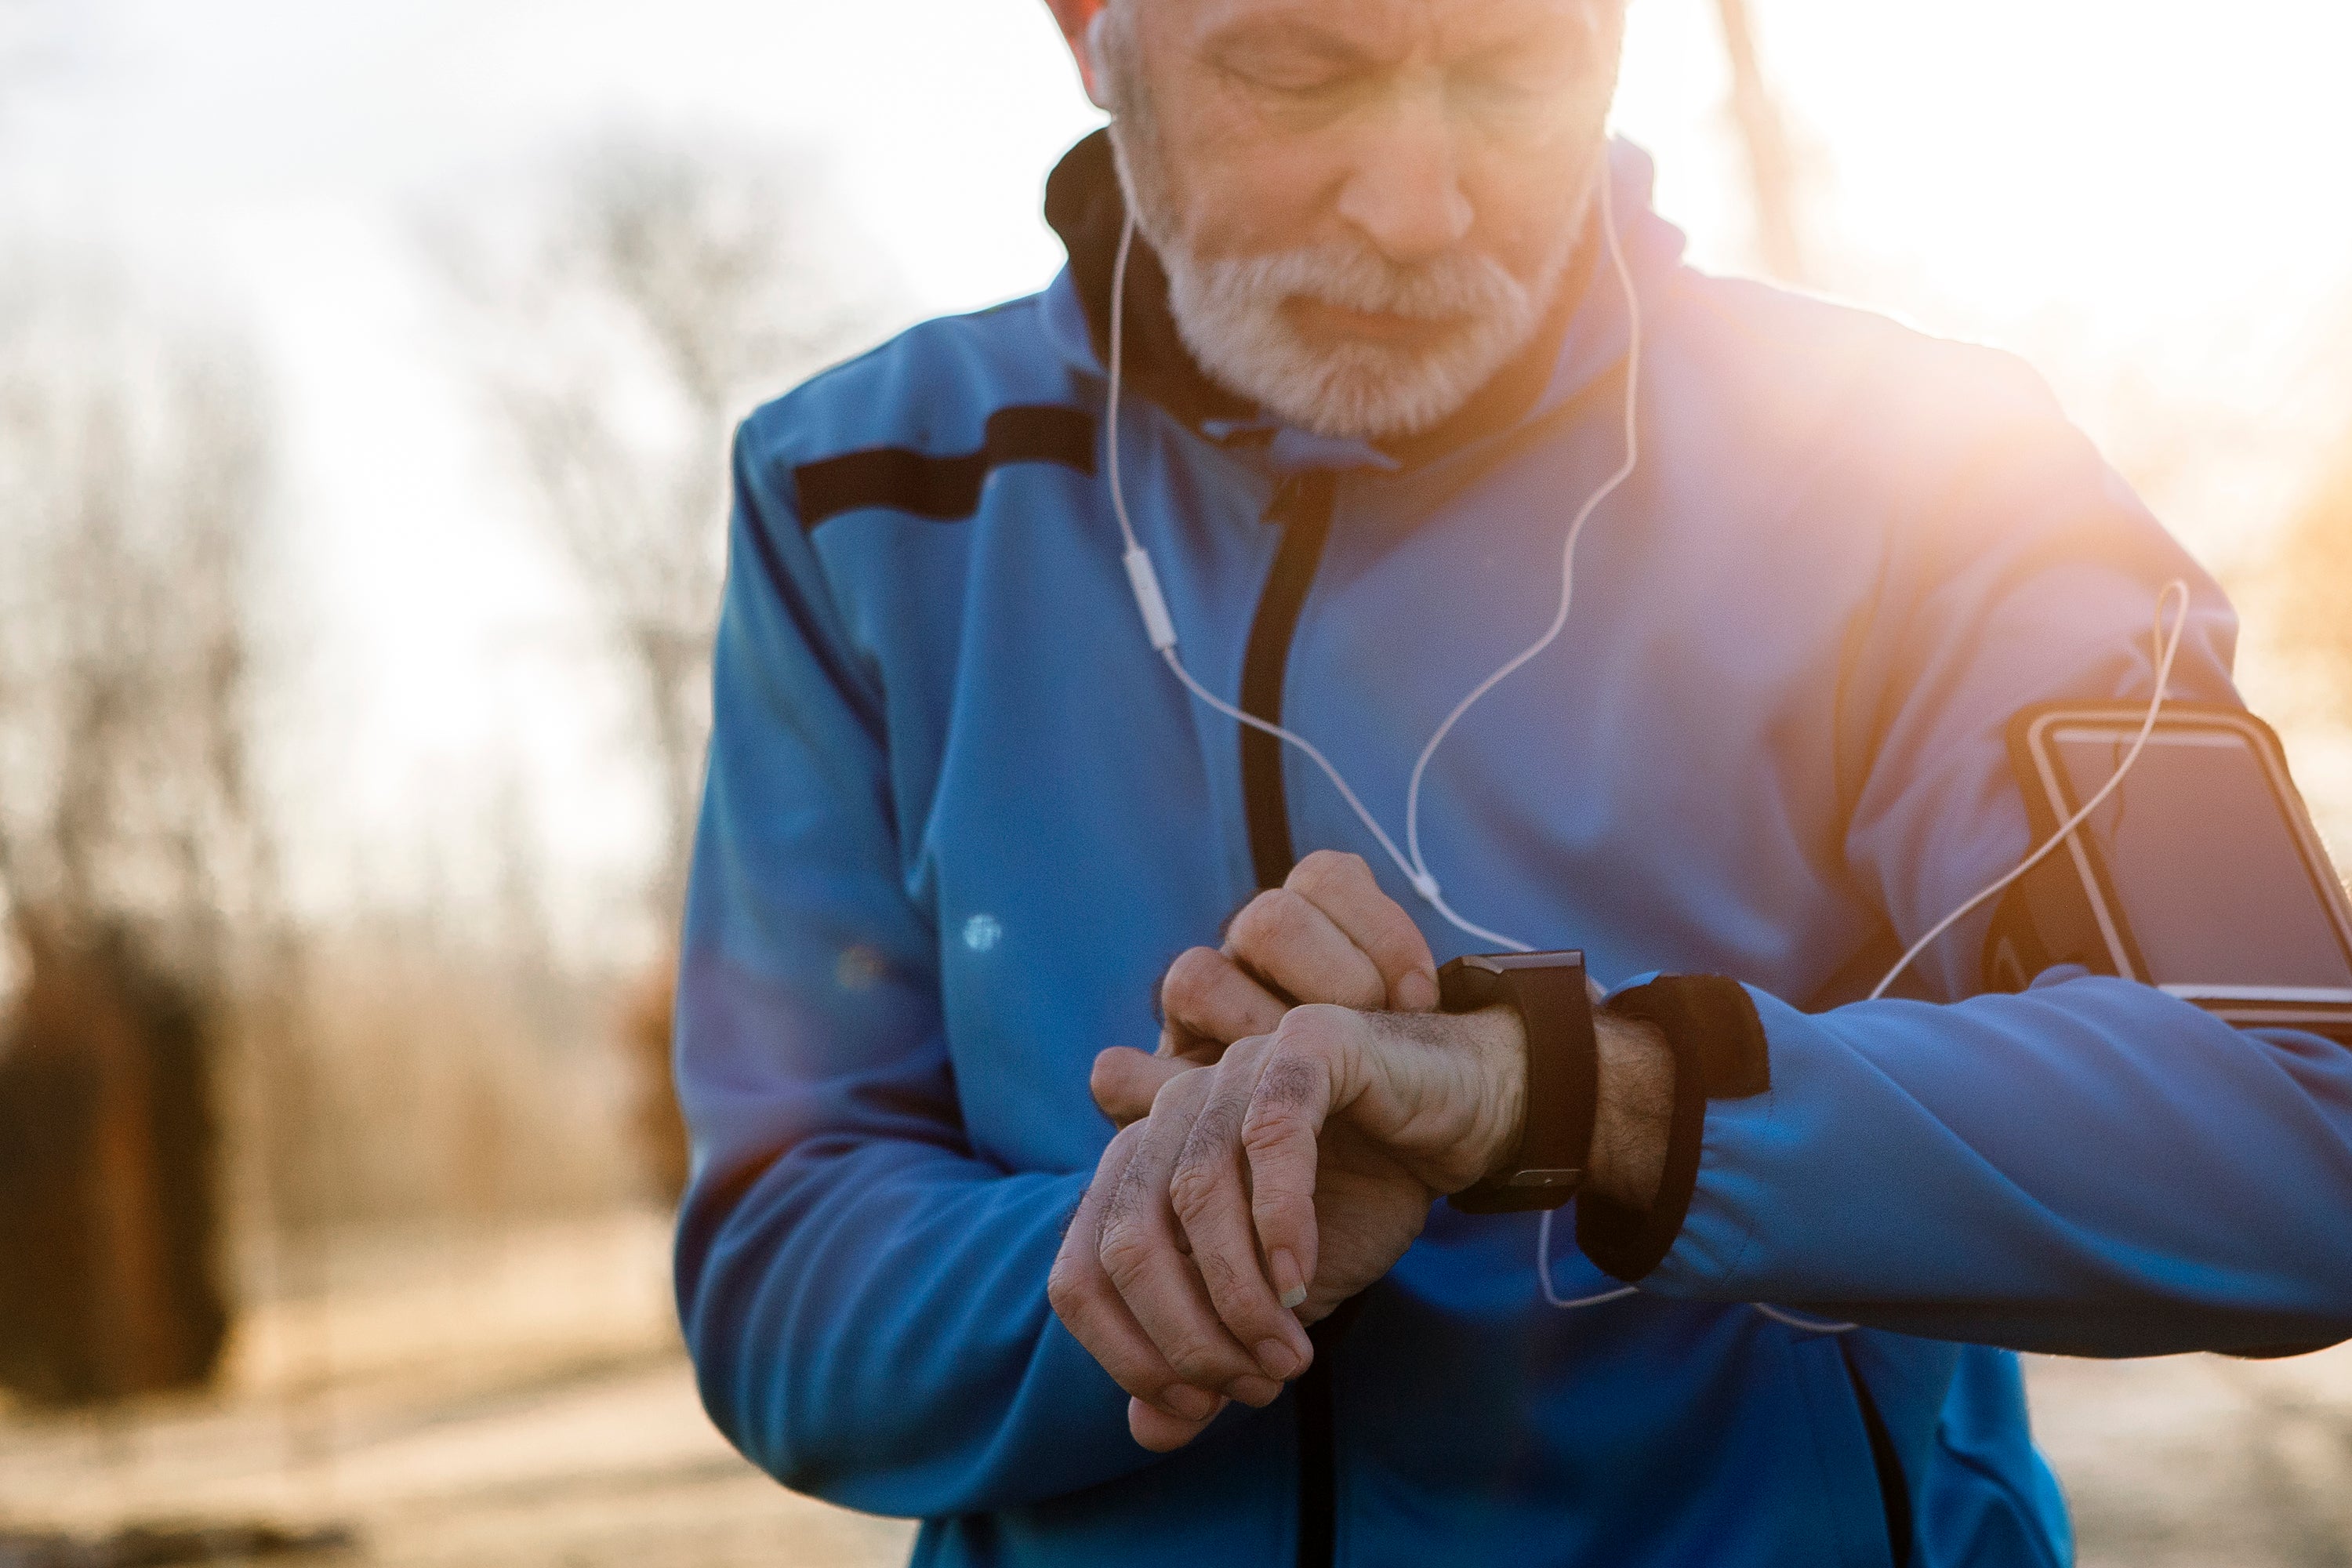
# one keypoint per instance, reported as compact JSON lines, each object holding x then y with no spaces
{"x":959,"y":818}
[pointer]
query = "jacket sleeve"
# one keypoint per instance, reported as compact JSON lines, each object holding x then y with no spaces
{"x":863,"y":1298}
{"x":2091,"y":1167}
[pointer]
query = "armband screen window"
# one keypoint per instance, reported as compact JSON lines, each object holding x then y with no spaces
{"x":2202,"y":875}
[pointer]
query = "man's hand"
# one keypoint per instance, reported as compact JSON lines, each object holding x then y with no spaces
{"x":1233,"y":1215}
{"x":1329,"y":935}
{"x":1262,"y":1192}
{"x":1243,"y":1200}
{"x":1326,"y":934}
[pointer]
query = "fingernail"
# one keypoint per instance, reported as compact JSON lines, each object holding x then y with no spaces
{"x":1280,"y":1361}
{"x":1416,"y":992}
{"x":1287,"y":1279}
{"x":1187,"y":1403}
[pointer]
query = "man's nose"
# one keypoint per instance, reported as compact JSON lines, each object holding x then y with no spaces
{"x":1404,"y":192}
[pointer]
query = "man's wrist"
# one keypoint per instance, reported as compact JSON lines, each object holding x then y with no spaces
{"x":1500,"y":1035}
{"x":1633,"y":1114}
{"x":1635,"y":1111}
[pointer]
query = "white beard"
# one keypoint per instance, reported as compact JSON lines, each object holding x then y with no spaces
{"x":1231,"y":314}
{"x":1229,"y":310}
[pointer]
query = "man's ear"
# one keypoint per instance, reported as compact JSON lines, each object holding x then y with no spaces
{"x":1090,"y":62}
{"x":1082,"y":23}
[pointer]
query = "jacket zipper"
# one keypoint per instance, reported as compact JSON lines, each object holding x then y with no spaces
{"x":1302,"y":507}
{"x":1894,"y":1492}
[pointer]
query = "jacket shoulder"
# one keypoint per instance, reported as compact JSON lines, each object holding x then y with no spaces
{"x":931,"y":389}
{"x":1817,"y":366}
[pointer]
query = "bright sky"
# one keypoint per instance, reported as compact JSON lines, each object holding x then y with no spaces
{"x":2148,"y":196}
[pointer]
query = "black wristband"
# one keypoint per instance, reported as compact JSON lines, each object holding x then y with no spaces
{"x":1550,"y":993}
{"x":1720,"y":1052}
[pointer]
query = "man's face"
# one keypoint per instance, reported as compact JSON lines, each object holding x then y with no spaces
{"x":1365,"y":206}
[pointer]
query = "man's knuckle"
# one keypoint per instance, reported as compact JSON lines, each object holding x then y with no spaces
{"x":1181,"y":1092}
{"x":1219,"y":1273}
{"x":1249,"y":928}
{"x":1119,"y":1209}
{"x":1272,"y":1129}
{"x":1315,"y":1030}
{"x":1330,"y":871}
{"x":1104,"y":1078}
{"x":1253,"y":909}
{"x":1212,"y":1133}
{"x":1199,"y":1360}
{"x":1279,"y":1110}
{"x":1192,"y":1191}
{"x":1065,"y":1289}
{"x":1192,"y":979}
{"x":1269,"y":919}
{"x":1124,"y":1251}
{"x":1288,"y":1082}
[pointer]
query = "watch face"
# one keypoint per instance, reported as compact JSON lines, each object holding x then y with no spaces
{"x":1564,"y":958}
{"x":1466,"y":986}
{"x":1477,"y":979}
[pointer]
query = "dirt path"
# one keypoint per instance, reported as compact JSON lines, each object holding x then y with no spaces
{"x":514,"y":1400}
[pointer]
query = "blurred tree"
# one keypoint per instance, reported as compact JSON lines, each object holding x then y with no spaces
{"x":133,"y":469}
{"x":133,"y":473}
{"x":624,"y":328}
{"x":1772,"y":170}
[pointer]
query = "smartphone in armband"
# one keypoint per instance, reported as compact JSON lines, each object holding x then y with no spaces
{"x":2202,"y":875}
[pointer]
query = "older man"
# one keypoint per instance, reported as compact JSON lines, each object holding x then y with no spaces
{"x":1365,"y":319}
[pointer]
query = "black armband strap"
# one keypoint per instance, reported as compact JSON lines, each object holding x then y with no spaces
{"x":1719,"y":1050}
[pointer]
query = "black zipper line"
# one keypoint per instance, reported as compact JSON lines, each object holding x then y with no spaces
{"x":1302,"y":507}
{"x":1894,"y":1492}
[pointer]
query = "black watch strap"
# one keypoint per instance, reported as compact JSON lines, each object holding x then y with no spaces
{"x":1554,"y":1001}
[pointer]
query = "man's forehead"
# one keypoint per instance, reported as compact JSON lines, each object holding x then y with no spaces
{"x":1381,"y":27}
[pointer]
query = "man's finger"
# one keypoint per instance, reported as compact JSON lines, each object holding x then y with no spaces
{"x":1125,"y":1081}
{"x":1212,"y":1202}
{"x":1142,"y":1251}
{"x":1083,"y":1298}
{"x":1164,"y":1433}
{"x":1344,"y":888}
{"x":1208,"y":1002}
{"x":1295,"y":946}
{"x":1280,"y":1136}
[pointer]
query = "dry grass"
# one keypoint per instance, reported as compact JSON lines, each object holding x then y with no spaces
{"x":423,"y":1077}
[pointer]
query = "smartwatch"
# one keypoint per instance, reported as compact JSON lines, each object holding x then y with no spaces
{"x":1550,"y":993}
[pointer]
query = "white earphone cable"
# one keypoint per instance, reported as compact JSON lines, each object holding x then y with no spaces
{"x":2165,"y":648}
{"x":1567,"y":569}
{"x":1144,"y":579}
{"x":1145,"y":582}
{"x":1543,"y":1274}
{"x":1410,"y":862}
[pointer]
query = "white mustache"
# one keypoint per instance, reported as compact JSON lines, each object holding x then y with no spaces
{"x":1450,"y":289}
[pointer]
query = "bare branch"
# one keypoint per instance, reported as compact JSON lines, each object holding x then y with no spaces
{"x":642,"y":313}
